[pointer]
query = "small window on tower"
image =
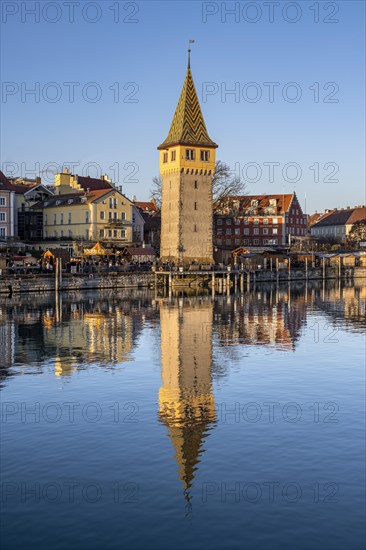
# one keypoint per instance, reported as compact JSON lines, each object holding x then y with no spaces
{"x":205,"y":156}
{"x":173,"y":156}
{"x":195,"y":206}
{"x":190,"y":154}
{"x":165,"y":157}
{"x":195,"y":184}
{"x":195,"y":228}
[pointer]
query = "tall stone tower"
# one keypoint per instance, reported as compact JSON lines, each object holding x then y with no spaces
{"x":187,"y":164}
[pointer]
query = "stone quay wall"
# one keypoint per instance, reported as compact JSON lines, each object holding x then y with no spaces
{"x":44,"y":283}
{"x":10,"y":284}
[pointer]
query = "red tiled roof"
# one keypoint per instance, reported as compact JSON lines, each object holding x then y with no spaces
{"x":357,"y":215}
{"x":315,"y":218}
{"x":4,"y":182}
{"x":283,"y":201}
{"x":147,"y":206}
{"x":93,"y":184}
{"x":19,"y":189}
{"x":342,"y":217}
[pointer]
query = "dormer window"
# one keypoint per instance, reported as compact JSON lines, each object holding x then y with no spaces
{"x":190,"y":154}
{"x":165,"y":157}
{"x":205,"y":156}
{"x":58,"y":203}
{"x":254,"y":203}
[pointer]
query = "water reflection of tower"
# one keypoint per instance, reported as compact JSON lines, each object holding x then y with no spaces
{"x":186,"y":400}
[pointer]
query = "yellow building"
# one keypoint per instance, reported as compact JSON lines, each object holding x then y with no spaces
{"x":90,"y":209}
{"x":186,"y":399}
{"x":187,"y":164}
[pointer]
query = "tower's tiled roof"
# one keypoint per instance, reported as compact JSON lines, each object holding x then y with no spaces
{"x":188,"y":126}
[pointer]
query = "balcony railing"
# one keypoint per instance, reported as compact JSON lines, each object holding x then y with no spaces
{"x":118,"y":223}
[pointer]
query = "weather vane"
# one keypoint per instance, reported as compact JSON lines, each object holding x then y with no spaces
{"x":189,"y":52}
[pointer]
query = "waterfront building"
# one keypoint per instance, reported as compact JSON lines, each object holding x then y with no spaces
{"x":7,"y":208}
{"x":90,"y":209}
{"x":18,"y":216}
{"x":337,"y":223}
{"x":29,"y":218}
{"x":187,"y":164}
{"x":259,"y":220}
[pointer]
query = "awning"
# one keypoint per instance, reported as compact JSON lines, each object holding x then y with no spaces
{"x":97,"y":250}
{"x":48,"y":255}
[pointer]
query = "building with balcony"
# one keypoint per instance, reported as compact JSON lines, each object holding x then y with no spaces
{"x":90,"y":209}
{"x":259,"y":220}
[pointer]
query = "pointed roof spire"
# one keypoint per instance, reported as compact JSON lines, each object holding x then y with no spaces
{"x":188,"y":126}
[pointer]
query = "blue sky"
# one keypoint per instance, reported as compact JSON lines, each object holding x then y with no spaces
{"x":140,"y":51}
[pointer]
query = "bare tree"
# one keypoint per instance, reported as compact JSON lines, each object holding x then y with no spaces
{"x":224,"y":184}
{"x":156,"y":190}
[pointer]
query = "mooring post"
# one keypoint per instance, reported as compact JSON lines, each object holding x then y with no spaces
{"x":306,"y":268}
{"x":242,"y":282}
{"x":60,"y":273}
{"x":339,"y":267}
{"x":323,"y":268}
{"x":56,"y":275}
{"x":277,"y":271}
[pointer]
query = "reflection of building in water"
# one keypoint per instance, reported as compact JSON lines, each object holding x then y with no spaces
{"x":97,"y":337}
{"x":71,"y":333}
{"x":186,"y":400}
{"x":7,"y":343}
{"x":267,"y":317}
{"x":346,"y":301}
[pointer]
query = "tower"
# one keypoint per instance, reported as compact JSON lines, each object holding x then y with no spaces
{"x":187,"y":164}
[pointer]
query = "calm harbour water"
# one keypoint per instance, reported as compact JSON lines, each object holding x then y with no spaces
{"x":137,"y":421}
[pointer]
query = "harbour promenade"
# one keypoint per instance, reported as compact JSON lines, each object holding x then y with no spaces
{"x":218,"y":279}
